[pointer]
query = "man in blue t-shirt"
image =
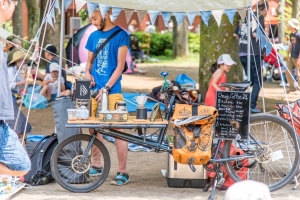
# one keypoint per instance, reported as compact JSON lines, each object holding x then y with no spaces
{"x":105,"y":71}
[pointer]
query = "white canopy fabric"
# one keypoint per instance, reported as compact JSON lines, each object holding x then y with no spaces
{"x":176,"y":5}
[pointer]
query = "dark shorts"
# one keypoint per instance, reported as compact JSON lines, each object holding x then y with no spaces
{"x":53,"y":96}
{"x":12,"y":153}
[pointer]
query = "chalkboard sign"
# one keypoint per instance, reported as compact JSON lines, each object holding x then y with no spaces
{"x":233,"y":119}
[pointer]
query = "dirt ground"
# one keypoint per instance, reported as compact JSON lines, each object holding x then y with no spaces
{"x":144,"y":168}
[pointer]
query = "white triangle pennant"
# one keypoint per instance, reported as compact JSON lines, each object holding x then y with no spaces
{"x":230,"y":14}
{"x":49,"y":20}
{"x":91,"y":7}
{"x":128,"y":14}
{"x":79,"y":4}
{"x":166,"y":17}
{"x":56,"y":5}
{"x":254,"y":25}
{"x":141,"y":15}
{"x":205,"y":15}
{"x":243,"y":13}
{"x":67,"y":4}
{"x":179,"y":17}
{"x":218,"y":16}
{"x":116,"y":12}
{"x":191,"y":17}
{"x":52,"y":12}
{"x":153,"y":15}
{"x":103,"y":10}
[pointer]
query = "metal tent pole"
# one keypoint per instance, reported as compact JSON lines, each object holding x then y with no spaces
{"x":249,"y":45}
{"x":61,"y":48}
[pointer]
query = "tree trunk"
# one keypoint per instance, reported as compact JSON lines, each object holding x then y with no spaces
{"x":215,"y":41}
{"x":175,"y":33}
{"x":180,"y":38}
{"x":17,"y":21}
{"x":295,"y":11}
{"x":34,"y":10}
{"x":281,"y":25}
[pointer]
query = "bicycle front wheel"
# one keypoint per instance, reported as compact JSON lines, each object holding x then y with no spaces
{"x":274,"y":144}
{"x":78,"y":168}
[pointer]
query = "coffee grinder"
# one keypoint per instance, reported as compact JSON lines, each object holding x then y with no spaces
{"x":141,"y":110}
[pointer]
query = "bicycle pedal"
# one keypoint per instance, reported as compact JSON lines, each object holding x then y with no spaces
{"x":220,"y":182}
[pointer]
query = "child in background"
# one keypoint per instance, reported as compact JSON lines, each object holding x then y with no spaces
{"x":218,"y":69}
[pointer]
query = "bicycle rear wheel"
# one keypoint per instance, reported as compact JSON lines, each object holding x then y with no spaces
{"x":72,"y":169}
{"x":275,"y":146}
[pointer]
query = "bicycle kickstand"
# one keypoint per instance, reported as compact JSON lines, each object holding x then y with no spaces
{"x":213,"y":191}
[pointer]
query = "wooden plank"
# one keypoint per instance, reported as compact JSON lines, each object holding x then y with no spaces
{"x":131,"y":120}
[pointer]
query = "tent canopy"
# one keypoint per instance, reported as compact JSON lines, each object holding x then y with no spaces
{"x":176,"y":5}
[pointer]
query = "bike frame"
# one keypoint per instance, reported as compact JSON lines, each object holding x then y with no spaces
{"x":158,"y":145}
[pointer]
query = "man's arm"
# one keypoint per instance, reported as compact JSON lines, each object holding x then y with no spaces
{"x":88,"y":67}
{"x":288,"y":52}
{"x":121,"y":62}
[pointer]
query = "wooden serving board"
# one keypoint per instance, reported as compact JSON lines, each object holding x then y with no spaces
{"x":131,"y":120}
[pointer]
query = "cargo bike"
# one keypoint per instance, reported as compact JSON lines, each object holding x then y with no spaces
{"x":271,"y":150}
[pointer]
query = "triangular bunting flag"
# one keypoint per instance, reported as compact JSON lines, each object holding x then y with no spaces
{"x":230,"y":14}
{"x":254,"y":24}
{"x":191,"y":17}
{"x":141,"y":15}
{"x":243,"y":13}
{"x":103,"y":10}
{"x":153,"y":15}
{"x":67,"y":4}
{"x":263,"y":42}
{"x":91,"y":7}
{"x":116,"y":12}
{"x":128,"y":14}
{"x":218,"y":16}
{"x":205,"y":15}
{"x":259,"y":34}
{"x":79,"y":4}
{"x":52,"y":12}
{"x":166,"y":17}
{"x":56,"y":5}
{"x":179,"y":17}
{"x":268,"y":48}
{"x":49,"y":20}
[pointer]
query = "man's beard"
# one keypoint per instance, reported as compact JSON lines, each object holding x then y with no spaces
{"x":102,"y":25}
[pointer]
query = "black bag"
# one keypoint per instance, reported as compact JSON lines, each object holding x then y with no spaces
{"x":105,"y":42}
{"x":40,"y":157}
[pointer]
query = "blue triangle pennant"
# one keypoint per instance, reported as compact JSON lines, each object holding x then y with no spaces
{"x":268,"y":48}
{"x":230,"y":14}
{"x":166,"y":17}
{"x":263,"y":42}
{"x":103,"y":10}
{"x":191,"y":16}
{"x":91,"y":7}
{"x":259,"y":34}
{"x":153,"y":15}
{"x":116,"y":12}
{"x":67,"y":4}
{"x":179,"y":17}
{"x":56,"y":5}
{"x":205,"y":15}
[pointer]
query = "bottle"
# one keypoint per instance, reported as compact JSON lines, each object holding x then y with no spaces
{"x":104,"y":101}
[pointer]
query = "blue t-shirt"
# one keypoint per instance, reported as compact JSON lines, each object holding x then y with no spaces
{"x":107,"y":59}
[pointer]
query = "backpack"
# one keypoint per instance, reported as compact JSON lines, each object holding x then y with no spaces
{"x":193,"y":133}
{"x":241,"y":172}
{"x":40,"y":157}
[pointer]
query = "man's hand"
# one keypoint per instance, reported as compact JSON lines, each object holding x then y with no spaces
{"x":287,"y":57}
{"x":98,"y":97}
{"x":90,"y":77}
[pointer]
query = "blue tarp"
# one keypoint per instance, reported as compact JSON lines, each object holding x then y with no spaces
{"x":132,"y":108}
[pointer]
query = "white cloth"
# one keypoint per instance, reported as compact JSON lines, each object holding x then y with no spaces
{"x":12,"y":71}
{"x":6,"y":104}
{"x":150,"y":29}
{"x":53,"y":86}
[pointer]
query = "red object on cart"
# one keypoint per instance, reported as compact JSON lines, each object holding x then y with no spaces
{"x":273,"y":58}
